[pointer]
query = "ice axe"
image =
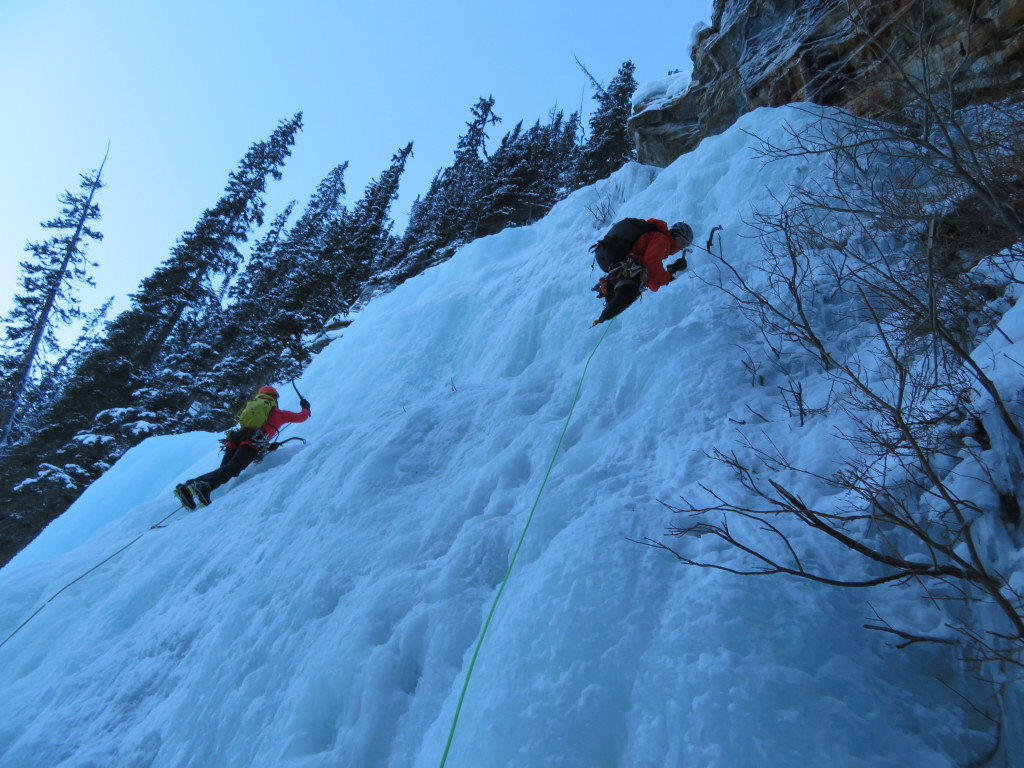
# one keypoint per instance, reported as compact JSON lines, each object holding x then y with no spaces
{"x":711,"y":237}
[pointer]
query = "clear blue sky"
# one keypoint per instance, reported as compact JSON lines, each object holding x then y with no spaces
{"x":182,"y":89}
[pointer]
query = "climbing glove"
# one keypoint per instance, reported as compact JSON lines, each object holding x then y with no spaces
{"x":677,"y":266}
{"x":303,"y":403}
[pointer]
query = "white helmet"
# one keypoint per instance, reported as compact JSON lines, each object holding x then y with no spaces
{"x":681,"y":229}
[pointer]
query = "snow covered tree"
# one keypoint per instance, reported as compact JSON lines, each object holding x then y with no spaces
{"x":422,"y":239}
{"x":54,"y":376}
{"x":882,"y":277}
{"x":481,"y":193}
{"x":337,"y":263}
{"x":609,"y":146}
{"x":564,"y":153}
{"x":218,"y":362}
{"x":528,"y":173}
{"x":450,"y":212}
{"x":47,"y":299}
{"x":296,"y":281}
{"x":187,"y":281}
{"x":463,"y":181}
{"x":121,"y":392}
{"x":275,"y":296}
{"x":169,"y":314}
{"x":369,"y":237}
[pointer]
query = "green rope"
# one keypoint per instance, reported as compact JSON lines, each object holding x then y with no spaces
{"x":515,"y":554}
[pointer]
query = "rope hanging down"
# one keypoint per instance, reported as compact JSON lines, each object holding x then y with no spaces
{"x":79,"y":578}
{"x":515,"y":553}
{"x":107,"y":559}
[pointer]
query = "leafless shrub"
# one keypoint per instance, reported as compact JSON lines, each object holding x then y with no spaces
{"x":881,"y":277}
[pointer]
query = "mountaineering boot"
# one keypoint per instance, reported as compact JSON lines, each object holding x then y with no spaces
{"x":184,"y":495}
{"x":201,"y":492}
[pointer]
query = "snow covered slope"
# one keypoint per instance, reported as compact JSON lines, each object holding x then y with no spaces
{"x":324,"y":609}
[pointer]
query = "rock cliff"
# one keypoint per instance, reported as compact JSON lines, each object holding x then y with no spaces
{"x":833,"y":52}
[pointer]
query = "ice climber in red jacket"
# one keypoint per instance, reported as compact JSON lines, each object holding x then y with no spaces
{"x":643,"y":267}
{"x":242,"y":447}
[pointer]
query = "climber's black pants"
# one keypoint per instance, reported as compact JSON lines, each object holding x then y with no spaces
{"x":231,"y":466}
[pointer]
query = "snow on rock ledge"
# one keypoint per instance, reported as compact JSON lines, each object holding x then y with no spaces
{"x":758,"y":53}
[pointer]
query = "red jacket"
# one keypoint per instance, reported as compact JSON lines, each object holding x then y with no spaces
{"x":275,"y":420}
{"x":278,"y":418}
{"x":652,"y":248}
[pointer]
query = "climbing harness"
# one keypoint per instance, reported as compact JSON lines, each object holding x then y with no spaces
{"x":515,"y":552}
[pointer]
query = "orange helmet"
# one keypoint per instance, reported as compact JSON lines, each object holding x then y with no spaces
{"x":268,"y":391}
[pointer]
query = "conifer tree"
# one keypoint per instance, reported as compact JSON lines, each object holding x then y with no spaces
{"x":369,"y":239}
{"x":291,"y":287}
{"x":609,"y":146}
{"x":258,"y":336}
{"x":349,"y":248}
{"x":218,"y":361}
{"x":168,"y":313}
{"x":422,"y":239}
{"x":48,"y":298}
{"x":56,"y":375}
{"x":210,"y":250}
{"x":529,"y":172}
{"x":509,"y":174}
{"x":450,"y":212}
{"x":565,"y":153}
{"x":482,"y":193}
{"x":259,"y":281}
{"x":466,"y":176}
{"x":278,"y":302}
{"x":120,"y":392}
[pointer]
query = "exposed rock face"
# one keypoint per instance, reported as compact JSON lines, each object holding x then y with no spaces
{"x":772,"y":52}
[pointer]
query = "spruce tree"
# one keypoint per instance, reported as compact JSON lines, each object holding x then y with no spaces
{"x":121,"y":392}
{"x":564,"y":153}
{"x":55,"y":375}
{"x":169,"y":313}
{"x":340,"y":261}
{"x":465,"y":178}
{"x":482,"y":193}
{"x":373,"y":246}
{"x":528,"y":174}
{"x":422,"y":238}
{"x":450,"y":212}
{"x":210,"y":251}
{"x":509,"y":174}
{"x":280,"y":306}
{"x":47,"y":299}
{"x":609,"y":146}
{"x":217,"y":361}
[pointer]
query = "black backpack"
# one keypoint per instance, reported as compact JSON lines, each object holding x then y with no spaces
{"x":612,"y":249}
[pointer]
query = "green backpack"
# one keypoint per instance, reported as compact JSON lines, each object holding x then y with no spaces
{"x":254,"y":414}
